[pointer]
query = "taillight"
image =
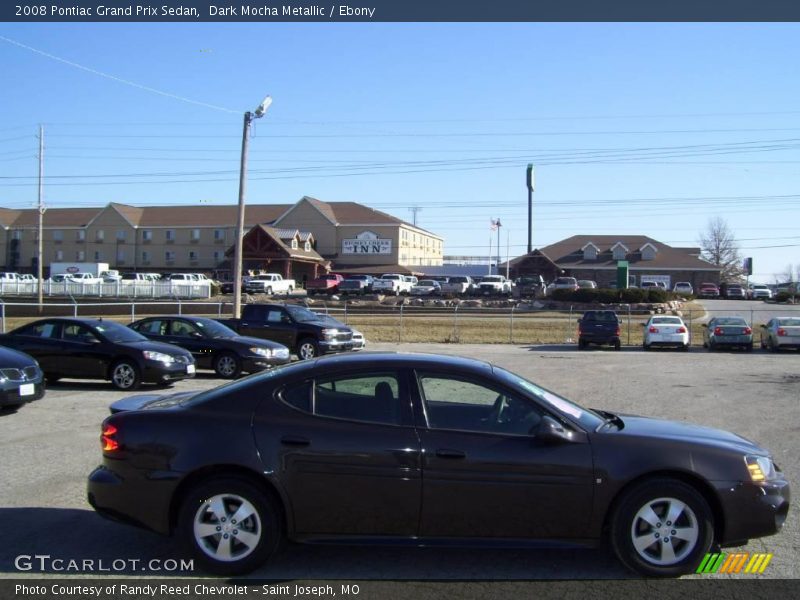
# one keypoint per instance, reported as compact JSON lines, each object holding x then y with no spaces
{"x":617,"y":331}
{"x":718,"y":331}
{"x":781,"y":331}
{"x":653,"y":329}
{"x":747,"y":331}
{"x":107,"y":438}
{"x":681,"y":329}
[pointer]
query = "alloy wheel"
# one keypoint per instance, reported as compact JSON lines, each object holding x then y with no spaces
{"x":664,"y":531}
{"x":227,"y":527}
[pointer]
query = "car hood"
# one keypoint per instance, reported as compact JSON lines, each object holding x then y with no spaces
{"x":687,"y":432}
{"x":14,"y":359}
{"x":244,"y":340}
{"x":151,"y":401}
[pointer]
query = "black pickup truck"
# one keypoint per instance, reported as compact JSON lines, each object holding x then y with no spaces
{"x":304,"y":332}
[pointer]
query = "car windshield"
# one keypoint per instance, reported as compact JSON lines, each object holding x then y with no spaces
{"x":492,"y":278}
{"x":213,"y":328}
{"x":600,"y":316}
{"x":587,"y":418}
{"x":114,"y":332}
{"x":302,"y":314}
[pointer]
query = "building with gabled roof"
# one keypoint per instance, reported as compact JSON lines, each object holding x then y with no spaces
{"x":595,"y":257}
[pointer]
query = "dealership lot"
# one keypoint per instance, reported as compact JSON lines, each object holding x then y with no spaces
{"x":50,"y":446}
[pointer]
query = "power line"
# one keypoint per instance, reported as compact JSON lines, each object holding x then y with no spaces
{"x":115,"y":78}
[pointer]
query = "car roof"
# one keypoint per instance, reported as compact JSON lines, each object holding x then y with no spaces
{"x":398,"y":359}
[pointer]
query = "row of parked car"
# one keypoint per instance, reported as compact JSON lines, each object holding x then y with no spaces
{"x":164,"y":349}
{"x":603,"y":327}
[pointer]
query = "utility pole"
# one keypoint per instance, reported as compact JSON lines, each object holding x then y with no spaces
{"x":414,"y":210}
{"x":499,"y":225}
{"x":40,"y":246}
{"x":529,"y":181}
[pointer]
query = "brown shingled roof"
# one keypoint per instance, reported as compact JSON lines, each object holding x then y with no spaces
{"x":568,"y":254}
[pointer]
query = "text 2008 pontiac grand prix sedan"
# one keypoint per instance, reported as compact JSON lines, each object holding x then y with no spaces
{"x":425,"y":450}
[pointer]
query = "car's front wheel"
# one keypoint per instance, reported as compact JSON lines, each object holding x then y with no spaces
{"x":662,"y":528}
{"x":227,"y":365}
{"x":125,"y":376}
{"x":229,"y":525}
{"x":307,"y":348}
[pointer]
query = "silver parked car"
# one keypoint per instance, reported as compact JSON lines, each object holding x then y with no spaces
{"x":781,"y":332}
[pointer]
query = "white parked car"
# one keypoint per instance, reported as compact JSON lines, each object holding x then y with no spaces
{"x":683,"y":287}
{"x":426,"y":287}
{"x":663,"y":330}
{"x":111,"y":276}
{"x":84,"y":278}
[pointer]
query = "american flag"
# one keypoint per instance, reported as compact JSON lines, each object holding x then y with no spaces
{"x":494,"y":224}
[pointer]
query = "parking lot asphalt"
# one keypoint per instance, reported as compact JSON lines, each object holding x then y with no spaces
{"x":49,"y":447}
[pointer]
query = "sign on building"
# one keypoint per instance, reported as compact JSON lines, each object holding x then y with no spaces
{"x":367,"y":243}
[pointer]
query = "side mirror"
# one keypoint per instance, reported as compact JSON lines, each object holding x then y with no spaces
{"x":551,"y":431}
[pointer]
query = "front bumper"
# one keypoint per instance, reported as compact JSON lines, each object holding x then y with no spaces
{"x":10,"y":396}
{"x":752,"y":510}
{"x":255,"y":364}
{"x":158,"y":372}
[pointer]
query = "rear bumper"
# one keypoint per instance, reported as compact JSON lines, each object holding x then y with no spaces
{"x":599,"y":339}
{"x":132,"y":499}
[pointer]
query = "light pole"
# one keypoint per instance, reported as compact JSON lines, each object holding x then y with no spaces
{"x":237,"y":258}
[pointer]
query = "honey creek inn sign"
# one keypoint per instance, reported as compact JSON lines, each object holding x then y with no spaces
{"x":367,"y":243}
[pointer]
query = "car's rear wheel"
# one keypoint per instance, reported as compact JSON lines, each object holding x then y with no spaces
{"x":307,"y":348}
{"x":581,"y":344}
{"x":125,"y":375}
{"x":662,"y":528}
{"x":229,"y":525}
{"x":227,"y":365}
{"x":617,"y":345}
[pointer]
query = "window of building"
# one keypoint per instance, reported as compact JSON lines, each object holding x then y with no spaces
{"x":307,"y":246}
{"x":121,"y":235}
{"x":192,"y":255}
{"x":195,"y":235}
{"x":590,"y":252}
{"x":218,"y":254}
{"x":648,"y":252}
{"x":17,"y":234}
{"x":169,"y":256}
{"x":58,"y":236}
{"x":619,"y":251}
{"x":219,"y":235}
{"x":294,"y":243}
{"x":120,"y":255}
{"x":80,"y":256}
{"x":169,"y":235}
{"x":147,"y":235}
{"x":100,"y":235}
{"x":59,"y":255}
{"x":80,"y":235}
{"x":145,"y":257}
{"x":98,"y":256}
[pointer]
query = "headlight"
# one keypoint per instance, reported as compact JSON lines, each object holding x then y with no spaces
{"x":761,"y":468}
{"x":281,"y":353}
{"x":330,"y":332}
{"x":159,"y":357}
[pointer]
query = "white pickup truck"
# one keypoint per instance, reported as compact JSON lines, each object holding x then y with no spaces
{"x":270,"y":283}
{"x":392,"y":284}
{"x":495,"y":285}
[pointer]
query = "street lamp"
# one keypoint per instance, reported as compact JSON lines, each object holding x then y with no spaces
{"x":237,"y":258}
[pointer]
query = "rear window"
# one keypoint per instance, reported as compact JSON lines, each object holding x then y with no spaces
{"x":605,"y":316}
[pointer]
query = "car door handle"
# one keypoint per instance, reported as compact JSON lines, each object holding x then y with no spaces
{"x":450,"y":453}
{"x":295,"y":440}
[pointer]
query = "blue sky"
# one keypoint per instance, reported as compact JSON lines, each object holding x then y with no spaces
{"x":634,"y":128}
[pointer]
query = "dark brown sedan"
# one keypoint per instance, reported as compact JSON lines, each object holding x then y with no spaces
{"x":425,"y":450}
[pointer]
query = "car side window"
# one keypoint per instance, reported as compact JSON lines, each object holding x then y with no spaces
{"x":155,"y":327}
{"x":182,"y":329}
{"x":78,"y":333}
{"x":274,"y":316}
{"x":41,"y":330}
{"x":464,"y":405}
{"x":368,"y":397}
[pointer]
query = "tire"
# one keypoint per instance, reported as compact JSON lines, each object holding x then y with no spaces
{"x":581,"y":344}
{"x":645,"y":347}
{"x":773,"y":345}
{"x":210,"y":508}
{"x":632,"y":528}
{"x":51,"y":379}
{"x":268,"y":290}
{"x":748,"y":348}
{"x":307,"y":348}
{"x":763,"y":344}
{"x":712,"y":346}
{"x":125,"y":375}
{"x":617,"y":345}
{"x":685,"y":348}
{"x":227,"y":365}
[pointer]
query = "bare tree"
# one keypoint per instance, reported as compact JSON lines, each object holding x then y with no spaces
{"x":720,"y":248}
